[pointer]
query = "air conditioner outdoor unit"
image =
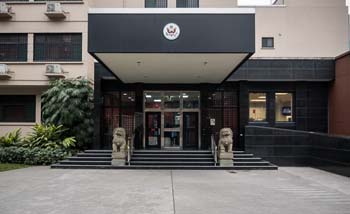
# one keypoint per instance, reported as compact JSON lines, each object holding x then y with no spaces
{"x":55,"y":10}
{"x":5,"y":10}
{"x":4,"y":72}
{"x":54,"y":71}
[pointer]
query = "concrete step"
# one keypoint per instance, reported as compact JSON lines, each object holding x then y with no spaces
{"x":171,"y":152}
{"x":243,"y":159}
{"x":90,"y":158}
{"x":71,"y":162}
{"x":171,"y":159}
{"x":243,"y":155}
{"x":173,"y":155}
{"x":250,"y":163}
{"x":94,"y":155}
{"x":178,"y":163}
{"x":97,"y":151}
{"x":162,"y":167}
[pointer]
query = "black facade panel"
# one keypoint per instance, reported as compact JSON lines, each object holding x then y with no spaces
{"x":285,"y":70}
{"x":143,"y":33}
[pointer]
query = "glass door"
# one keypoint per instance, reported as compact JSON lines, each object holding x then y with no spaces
{"x":172,"y":123}
{"x":190,"y":130}
{"x":153,"y":130}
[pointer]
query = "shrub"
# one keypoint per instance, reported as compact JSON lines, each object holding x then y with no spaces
{"x":49,"y":137}
{"x":70,"y":103}
{"x":31,"y":156}
{"x":11,"y":138}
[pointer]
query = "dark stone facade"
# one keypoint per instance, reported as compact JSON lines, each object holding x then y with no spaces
{"x":299,"y":148}
{"x":307,"y":80}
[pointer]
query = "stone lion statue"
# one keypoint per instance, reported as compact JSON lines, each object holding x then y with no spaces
{"x":226,"y":141}
{"x":119,"y":142}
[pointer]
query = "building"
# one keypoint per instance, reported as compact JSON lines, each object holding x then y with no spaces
{"x":31,"y":38}
{"x":174,"y":72}
{"x":339,"y":96}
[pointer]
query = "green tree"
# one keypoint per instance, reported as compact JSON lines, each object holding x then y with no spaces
{"x":69,"y":102}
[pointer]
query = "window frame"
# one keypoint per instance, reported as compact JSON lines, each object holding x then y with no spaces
{"x":37,"y":58}
{"x":177,"y":4}
{"x":28,"y":102}
{"x":266,"y":121}
{"x":293,"y":107}
{"x":166,"y":4}
{"x":19,"y":47}
{"x":267,"y":38}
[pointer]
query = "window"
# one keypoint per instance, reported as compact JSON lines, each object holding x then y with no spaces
{"x":13,"y":47}
{"x":17,"y":108}
{"x":257,"y":107}
{"x":156,"y":3}
{"x":187,"y":3}
{"x":284,"y":107}
{"x":58,"y":47}
{"x":153,"y":100}
{"x":268,"y":42}
{"x":190,"y":99}
{"x":171,"y":100}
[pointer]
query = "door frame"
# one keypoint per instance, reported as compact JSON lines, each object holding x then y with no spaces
{"x":198,"y":128}
{"x":160,"y":137}
{"x":180,"y":110}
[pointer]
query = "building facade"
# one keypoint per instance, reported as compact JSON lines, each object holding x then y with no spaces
{"x":230,"y":65}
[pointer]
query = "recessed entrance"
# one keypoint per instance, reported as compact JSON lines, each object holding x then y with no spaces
{"x":172,"y":119}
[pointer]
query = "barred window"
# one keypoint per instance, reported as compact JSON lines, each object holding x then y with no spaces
{"x":58,"y":47}
{"x":13,"y":47}
{"x":17,"y":108}
{"x":156,"y":3}
{"x":187,"y":3}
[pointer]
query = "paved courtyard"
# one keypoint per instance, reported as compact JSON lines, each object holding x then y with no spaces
{"x":40,"y":190}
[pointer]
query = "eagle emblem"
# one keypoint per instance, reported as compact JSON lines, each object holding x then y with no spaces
{"x":171,"y":31}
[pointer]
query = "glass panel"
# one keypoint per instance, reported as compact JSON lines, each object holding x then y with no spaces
{"x":190,"y":99}
{"x":155,"y":3}
{"x":153,"y":100}
{"x":257,"y":107}
{"x":172,"y":100}
{"x":171,"y":139}
{"x":17,"y":108}
{"x":128,"y":99}
{"x":153,"y":131}
{"x":171,"y":119}
{"x":13,"y":47}
{"x":187,"y":3}
{"x":284,"y":107}
{"x":58,"y":47}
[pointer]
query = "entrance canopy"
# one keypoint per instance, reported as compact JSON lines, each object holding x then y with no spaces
{"x":191,"y":45}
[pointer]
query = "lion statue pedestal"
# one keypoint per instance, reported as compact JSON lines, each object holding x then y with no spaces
{"x":225,"y":147}
{"x":119,"y":147}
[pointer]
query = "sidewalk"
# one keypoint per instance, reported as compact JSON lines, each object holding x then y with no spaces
{"x":289,"y":191}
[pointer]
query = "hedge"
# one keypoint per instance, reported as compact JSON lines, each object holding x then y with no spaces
{"x":31,"y":156}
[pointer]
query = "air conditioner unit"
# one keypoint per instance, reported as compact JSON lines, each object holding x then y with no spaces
{"x":54,"y":10}
{"x":54,"y":70}
{"x":4,"y":72}
{"x":5,"y":10}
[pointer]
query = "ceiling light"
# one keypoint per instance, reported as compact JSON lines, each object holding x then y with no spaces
{"x":257,"y":100}
{"x":148,"y":96}
{"x":157,"y":101}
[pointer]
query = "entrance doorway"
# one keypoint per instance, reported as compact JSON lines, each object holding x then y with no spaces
{"x":172,"y":120}
{"x":190,"y":130}
{"x":153,"y":129}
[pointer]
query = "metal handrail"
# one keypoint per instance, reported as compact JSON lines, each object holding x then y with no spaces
{"x":214,"y":150}
{"x":129,"y":151}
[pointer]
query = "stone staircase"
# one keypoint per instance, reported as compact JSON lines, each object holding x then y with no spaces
{"x":163,"y":159}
